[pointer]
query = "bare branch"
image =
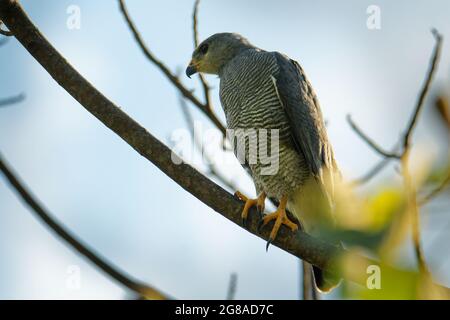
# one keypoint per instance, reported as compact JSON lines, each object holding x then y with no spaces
{"x":369,"y":141}
{"x":409,"y":187}
{"x":416,"y":112}
{"x":411,"y":192}
{"x":212,"y":169}
{"x":205,"y":86}
{"x":175,"y":81}
{"x":424,"y":91}
{"x":194,"y":23}
{"x":231,"y":293}
{"x":142,"y":289}
{"x":300,"y":244}
{"x":309,"y":291}
{"x":413,"y":210}
{"x":372,"y":172}
{"x":436,"y":191}
{"x":12,"y":100}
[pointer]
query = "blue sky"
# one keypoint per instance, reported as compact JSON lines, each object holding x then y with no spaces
{"x":125,"y":207}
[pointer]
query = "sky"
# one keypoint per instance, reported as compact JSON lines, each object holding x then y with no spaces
{"x":129,"y":211}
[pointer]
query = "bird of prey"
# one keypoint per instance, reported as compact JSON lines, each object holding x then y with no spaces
{"x":270,"y":91}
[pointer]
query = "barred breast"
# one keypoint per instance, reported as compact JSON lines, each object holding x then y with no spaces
{"x":250,"y":101}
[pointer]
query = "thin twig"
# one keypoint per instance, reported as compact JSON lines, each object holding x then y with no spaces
{"x":165,"y":70}
{"x":309,"y":291}
{"x":372,"y":172}
{"x":12,"y":100}
{"x":436,"y":191}
{"x":231,"y":292}
{"x":410,"y":189}
{"x":403,"y":156}
{"x":419,"y":106}
{"x":212,"y":169}
{"x":194,"y":23}
{"x":413,"y":210}
{"x":72,"y":241}
{"x":369,"y":141}
{"x":424,"y":91}
{"x":205,"y":86}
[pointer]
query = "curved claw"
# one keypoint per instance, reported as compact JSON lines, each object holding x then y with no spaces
{"x":268,"y":244}
{"x":280,"y":218}
{"x":258,"y":202}
{"x":244,"y":222}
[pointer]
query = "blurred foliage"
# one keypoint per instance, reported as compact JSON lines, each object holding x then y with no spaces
{"x":388,"y":283}
{"x":376,"y":224}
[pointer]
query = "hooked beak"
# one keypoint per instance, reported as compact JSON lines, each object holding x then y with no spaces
{"x":190,"y":70}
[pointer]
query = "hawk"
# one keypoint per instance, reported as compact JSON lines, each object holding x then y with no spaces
{"x":261,"y":90}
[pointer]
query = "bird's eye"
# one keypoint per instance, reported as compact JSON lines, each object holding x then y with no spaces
{"x":203,"y":48}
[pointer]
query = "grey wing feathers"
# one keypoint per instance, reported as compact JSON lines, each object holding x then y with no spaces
{"x":305,"y":118}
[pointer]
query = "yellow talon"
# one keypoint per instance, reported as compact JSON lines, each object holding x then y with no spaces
{"x":259,"y":202}
{"x":280,"y":218}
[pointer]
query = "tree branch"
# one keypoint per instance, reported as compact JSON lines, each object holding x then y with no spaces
{"x":172,"y":78}
{"x":212,"y":168}
{"x":231,"y":293}
{"x":369,"y":141}
{"x":203,"y":81}
{"x":403,"y":156}
{"x":309,"y":291}
{"x":42,"y":214}
{"x":420,"y":102}
{"x":418,"y":108}
{"x":409,"y":187}
{"x":436,"y":191}
{"x":12,"y":100}
{"x":372,"y":172}
{"x":300,"y":244}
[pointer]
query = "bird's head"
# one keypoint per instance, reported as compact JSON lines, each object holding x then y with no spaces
{"x":213,"y":53}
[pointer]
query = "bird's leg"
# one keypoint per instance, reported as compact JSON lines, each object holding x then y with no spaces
{"x":259,"y":202}
{"x":280,"y":218}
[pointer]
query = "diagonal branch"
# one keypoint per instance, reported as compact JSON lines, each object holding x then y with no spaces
{"x":405,"y":157}
{"x":372,"y":172}
{"x":418,"y":108}
{"x":212,"y":168}
{"x":436,"y":191}
{"x":420,"y":102}
{"x":369,"y":141}
{"x":142,"y":289}
{"x":165,"y":70}
{"x":300,"y":244}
